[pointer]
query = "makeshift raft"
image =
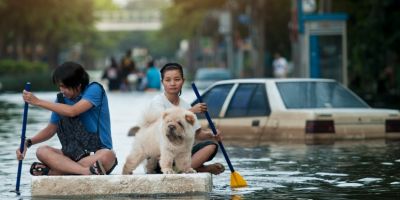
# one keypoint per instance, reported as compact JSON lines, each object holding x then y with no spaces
{"x":146,"y":184}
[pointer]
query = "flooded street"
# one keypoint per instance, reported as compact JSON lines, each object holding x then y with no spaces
{"x":343,"y":170}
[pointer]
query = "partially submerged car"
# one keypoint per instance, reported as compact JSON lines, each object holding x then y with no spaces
{"x":282,"y":109}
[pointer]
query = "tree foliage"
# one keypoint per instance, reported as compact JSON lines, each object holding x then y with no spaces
{"x":373,"y":38}
{"x":183,"y":18}
{"x":51,"y":24}
{"x":105,"y":5}
{"x":266,"y":27}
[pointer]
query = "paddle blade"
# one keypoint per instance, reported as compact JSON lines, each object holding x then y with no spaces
{"x":237,"y":181}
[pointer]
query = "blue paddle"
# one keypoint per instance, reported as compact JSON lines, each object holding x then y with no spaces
{"x":236,"y":179}
{"x":21,"y":147}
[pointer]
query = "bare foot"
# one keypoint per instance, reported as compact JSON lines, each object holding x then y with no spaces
{"x":215,"y":168}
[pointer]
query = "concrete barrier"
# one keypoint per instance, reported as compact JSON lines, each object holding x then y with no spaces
{"x":146,"y":184}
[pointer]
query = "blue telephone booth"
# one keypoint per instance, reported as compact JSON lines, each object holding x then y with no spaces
{"x":321,"y":47}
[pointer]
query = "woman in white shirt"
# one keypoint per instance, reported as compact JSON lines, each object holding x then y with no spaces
{"x":172,"y":80}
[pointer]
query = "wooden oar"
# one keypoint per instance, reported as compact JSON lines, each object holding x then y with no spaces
{"x":236,"y":180}
{"x":22,"y":145}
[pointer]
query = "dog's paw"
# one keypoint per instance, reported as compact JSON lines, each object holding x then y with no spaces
{"x":168,"y":171}
{"x":126,"y":172}
{"x":189,"y":171}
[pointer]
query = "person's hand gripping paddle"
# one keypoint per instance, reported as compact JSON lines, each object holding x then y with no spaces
{"x":236,"y":180}
{"x":22,"y":145}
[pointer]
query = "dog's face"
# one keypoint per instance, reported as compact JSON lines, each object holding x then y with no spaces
{"x":178,"y":124}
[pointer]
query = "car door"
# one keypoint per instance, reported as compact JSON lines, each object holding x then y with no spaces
{"x":215,"y":99}
{"x":247,"y":112}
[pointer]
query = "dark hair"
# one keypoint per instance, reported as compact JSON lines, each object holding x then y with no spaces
{"x":150,"y":63}
{"x":114,"y":63}
{"x":170,"y":66}
{"x":71,"y":74}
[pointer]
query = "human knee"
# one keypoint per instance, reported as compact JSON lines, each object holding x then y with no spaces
{"x":107,"y":157}
{"x":42,"y":151}
{"x":211,"y":148}
{"x":108,"y":153}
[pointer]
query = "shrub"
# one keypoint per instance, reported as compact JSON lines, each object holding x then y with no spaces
{"x":9,"y":66}
{"x":14,"y":75}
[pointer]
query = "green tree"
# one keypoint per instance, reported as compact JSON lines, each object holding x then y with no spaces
{"x":373,"y":39}
{"x":105,"y":5}
{"x":51,"y":24}
{"x":184,"y":17}
{"x":267,"y":26}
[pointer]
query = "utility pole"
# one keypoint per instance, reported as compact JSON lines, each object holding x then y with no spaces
{"x":225,"y":28}
{"x":257,"y":29}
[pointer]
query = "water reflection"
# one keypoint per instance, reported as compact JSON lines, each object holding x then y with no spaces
{"x":275,"y":170}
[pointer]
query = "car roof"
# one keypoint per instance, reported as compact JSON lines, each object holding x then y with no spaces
{"x":261,"y":80}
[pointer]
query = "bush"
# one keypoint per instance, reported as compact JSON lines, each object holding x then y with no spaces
{"x":16,"y":83}
{"x":8,"y":66}
{"x":14,"y":75}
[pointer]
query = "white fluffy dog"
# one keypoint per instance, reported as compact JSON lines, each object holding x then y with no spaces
{"x":168,"y":137}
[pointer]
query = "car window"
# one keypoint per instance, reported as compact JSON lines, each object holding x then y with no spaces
{"x":318,"y":95}
{"x":259,"y":104}
{"x":249,"y":100}
{"x":215,"y":98}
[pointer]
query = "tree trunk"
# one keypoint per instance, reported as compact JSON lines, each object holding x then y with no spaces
{"x":53,"y":52}
{"x":2,"y":47}
{"x":258,"y":39}
{"x":19,"y":47}
{"x":192,"y":61}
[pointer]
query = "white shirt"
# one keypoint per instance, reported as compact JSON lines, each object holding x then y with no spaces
{"x":280,"y":67}
{"x":160,"y":103}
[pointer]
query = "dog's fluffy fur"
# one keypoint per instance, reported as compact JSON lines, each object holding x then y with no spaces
{"x":168,"y":138}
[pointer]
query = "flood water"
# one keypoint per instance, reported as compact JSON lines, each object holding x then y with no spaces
{"x":342,"y":170}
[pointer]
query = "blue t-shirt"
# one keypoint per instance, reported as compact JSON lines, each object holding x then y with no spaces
{"x":92,"y":93}
{"x":153,"y":78}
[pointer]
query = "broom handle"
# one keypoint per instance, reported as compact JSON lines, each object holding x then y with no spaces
{"x":213,"y":128}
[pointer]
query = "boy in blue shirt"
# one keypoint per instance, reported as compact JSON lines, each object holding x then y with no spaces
{"x":81,"y":119}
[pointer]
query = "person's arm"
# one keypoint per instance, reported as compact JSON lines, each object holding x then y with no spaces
{"x":202,"y":134}
{"x":199,"y":108}
{"x":63,"y":109}
{"x":43,"y":135}
{"x":207,"y":134}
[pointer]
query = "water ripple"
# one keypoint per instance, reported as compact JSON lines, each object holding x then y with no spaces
{"x":343,"y":170}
